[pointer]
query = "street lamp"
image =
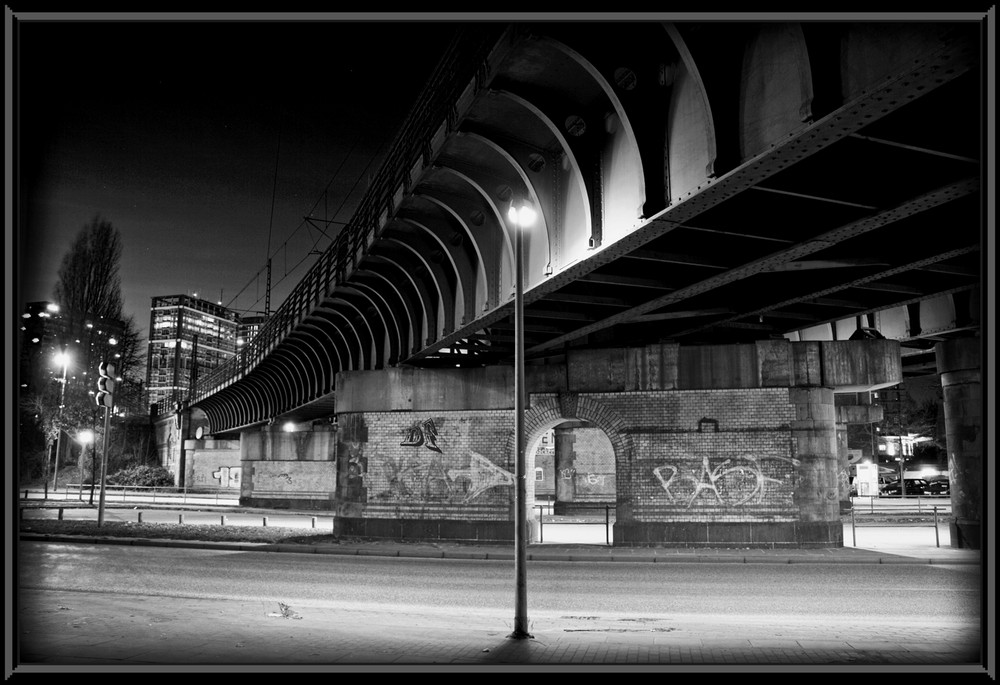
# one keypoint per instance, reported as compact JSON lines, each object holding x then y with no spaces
{"x":521,"y":217}
{"x":62,"y":359}
{"x":84,"y":437}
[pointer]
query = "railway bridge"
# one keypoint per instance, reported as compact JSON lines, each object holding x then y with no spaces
{"x":695,"y":248}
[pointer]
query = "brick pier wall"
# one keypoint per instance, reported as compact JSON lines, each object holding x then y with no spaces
{"x":755,"y":465}
{"x":712,"y":446}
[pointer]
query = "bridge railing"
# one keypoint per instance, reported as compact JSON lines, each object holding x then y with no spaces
{"x":462,"y":58}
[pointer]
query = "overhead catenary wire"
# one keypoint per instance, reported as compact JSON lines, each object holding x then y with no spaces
{"x":307,"y":222}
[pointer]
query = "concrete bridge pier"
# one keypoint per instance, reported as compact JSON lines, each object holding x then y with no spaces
{"x":852,"y":409}
{"x":958,"y":362}
{"x":815,"y":442}
{"x":565,"y":457}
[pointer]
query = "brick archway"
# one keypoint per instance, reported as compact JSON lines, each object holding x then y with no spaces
{"x":549,"y":410}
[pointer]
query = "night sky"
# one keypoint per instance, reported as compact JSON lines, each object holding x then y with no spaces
{"x":180,"y":134}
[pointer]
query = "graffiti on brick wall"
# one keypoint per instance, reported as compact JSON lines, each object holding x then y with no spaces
{"x":732,"y":482}
{"x":422,"y":433}
{"x":228,"y":476}
{"x":446,"y":475}
{"x":481,"y":475}
{"x":357,"y":471}
{"x":410,"y":478}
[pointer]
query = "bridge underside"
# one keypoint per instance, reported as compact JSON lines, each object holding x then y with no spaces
{"x":695,"y":183}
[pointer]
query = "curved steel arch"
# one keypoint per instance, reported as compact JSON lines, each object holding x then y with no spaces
{"x":434,"y":275}
{"x":272,"y":376}
{"x":377,"y":333}
{"x":460,"y":267}
{"x":395,"y":340}
{"x":443,"y":278}
{"x":504,"y":273}
{"x":476,"y":259}
{"x":370,"y":352}
{"x":571,"y":154}
{"x":324,"y":343}
{"x":314,"y":367}
{"x":304,"y":335}
{"x":408,"y":317}
{"x":338,"y":341}
{"x":263,"y":408}
{"x":356,"y":356}
{"x":426,"y":322}
{"x":525,"y":190}
{"x":388,"y":333}
{"x":296,"y":376}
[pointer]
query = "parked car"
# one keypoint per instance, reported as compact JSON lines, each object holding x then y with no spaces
{"x":938,"y":487}
{"x":914,"y":486}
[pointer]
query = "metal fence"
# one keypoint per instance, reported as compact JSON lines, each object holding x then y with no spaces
{"x":541,"y":508}
{"x":919,"y":507}
{"x":137,"y":494}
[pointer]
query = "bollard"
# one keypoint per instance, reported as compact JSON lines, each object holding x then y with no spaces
{"x":180,"y":519}
{"x":937,"y":535}
{"x":222,"y":520}
{"x":854,"y":531}
{"x":140,"y":517}
{"x":265,"y":521}
{"x":60,"y":513}
{"x":25,"y":494}
{"x":313,"y":521}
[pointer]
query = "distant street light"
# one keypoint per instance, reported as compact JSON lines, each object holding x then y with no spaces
{"x":62,"y":359}
{"x":522,"y":217}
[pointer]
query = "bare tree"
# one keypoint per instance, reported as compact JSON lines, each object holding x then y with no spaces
{"x":88,"y":292}
{"x":89,"y":283}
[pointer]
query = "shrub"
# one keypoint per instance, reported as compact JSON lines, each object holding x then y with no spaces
{"x":142,"y":476}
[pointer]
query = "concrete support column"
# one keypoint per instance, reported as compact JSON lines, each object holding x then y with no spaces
{"x":958,"y":362}
{"x":843,"y":470}
{"x":815,"y":435}
{"x":565,"y":464}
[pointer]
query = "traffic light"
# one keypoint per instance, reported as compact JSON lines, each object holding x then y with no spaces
{"x":106,"y":385}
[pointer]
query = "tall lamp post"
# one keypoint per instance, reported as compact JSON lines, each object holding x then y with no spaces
{"x":521,"y":217}
{"x":63,"y":359}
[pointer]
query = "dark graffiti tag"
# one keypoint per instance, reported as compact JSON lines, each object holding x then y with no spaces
{"x":733,"y":482}
{"x":422,"y":433}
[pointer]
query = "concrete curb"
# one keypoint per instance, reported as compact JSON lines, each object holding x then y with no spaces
{"x":868,"y":558}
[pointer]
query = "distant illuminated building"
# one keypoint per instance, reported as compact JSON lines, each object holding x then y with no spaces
{"x":187,"y":337}
{"x":249,"y":326}
{"x":47,"y":330}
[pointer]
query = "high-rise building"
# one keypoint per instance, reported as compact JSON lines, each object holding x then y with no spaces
{"x":188,"y":336}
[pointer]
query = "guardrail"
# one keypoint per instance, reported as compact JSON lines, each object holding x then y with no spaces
{"x":917,"y":505}
{"x":606,"y":523}
{"x":903,"y":510}
{"x":137,"y":493}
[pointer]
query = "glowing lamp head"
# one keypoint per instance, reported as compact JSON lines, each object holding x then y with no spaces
{"x":522,"y":216}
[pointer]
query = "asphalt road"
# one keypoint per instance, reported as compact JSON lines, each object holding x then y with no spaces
{"x":190,"y":598}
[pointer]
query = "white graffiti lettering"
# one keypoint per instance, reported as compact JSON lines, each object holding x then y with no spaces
{"x":733,"y":484}
{"x":228,"y":476}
